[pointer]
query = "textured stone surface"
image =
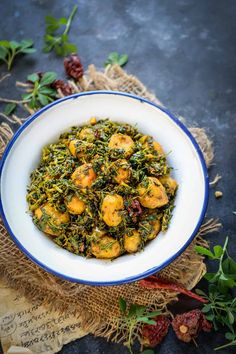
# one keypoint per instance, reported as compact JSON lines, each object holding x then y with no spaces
{"x":185,"y":52}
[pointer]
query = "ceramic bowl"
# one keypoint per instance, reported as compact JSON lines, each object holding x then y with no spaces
{"x":22,"y":155}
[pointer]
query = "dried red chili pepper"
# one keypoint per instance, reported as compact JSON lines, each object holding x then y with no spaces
{"x":189,"y":324}
{"x":65,"y":87}
{"x":154,"y":334}
{"x":73,"y":67}
{"x":97,"y":134}
{"x":134,"y":210}
{"x":153,"y":282}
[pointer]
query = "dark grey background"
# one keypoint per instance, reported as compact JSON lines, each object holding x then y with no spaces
{"x":184,"y":51}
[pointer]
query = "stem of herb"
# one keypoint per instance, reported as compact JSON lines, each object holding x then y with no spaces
{"x":226,"y":345}
{"x":70,"y":19}
{"x":223,"y":253}
{"x":132,"y":325}
{"x":10,"y":59}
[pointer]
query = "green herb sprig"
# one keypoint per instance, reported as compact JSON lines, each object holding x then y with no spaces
{"x":40,"y":94}
{"x":10,"y":49}
{"x":9,"y":108}
{"x":133,"y":316}
{"x":115,"y":58}
{"x":221,"y":306}
{"x":59,"y":42}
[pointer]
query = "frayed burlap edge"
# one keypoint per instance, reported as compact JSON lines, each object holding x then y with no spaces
{"x":101,"y":317}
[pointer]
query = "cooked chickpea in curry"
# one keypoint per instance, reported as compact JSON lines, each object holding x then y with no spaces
{"x":102,"y":190}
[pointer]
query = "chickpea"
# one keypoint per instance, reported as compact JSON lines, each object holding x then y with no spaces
{"x":75,"y":205}
{"x":105,"y":247}
{"x":132,"y":242}
{"x":84,"y":176}
{"x":156,"y":228}
{"x":169,"y":183}
{"x":54,"y":217}
{"x":111,"y":206}
{"x":122,"y":141}
{"x":152,"y":194}
{"x":121,"y":170}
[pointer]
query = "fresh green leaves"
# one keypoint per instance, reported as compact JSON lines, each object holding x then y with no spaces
{"x":9,"y":108}
{"x":59,"y":42}
{"x":115,"y":58}
{"x":40,"y":94}
{"x":135,"y":315}
{"x":221,"y":306}
{"x":122,"y":304}
{"x":9,"y":50}
{"x":137,"y":312}
{"x":225,"y":277}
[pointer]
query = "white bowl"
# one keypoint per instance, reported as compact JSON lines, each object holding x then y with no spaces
{"x":22,"y":155}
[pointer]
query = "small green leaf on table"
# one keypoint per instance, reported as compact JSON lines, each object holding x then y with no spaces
{"x":115,"y":58}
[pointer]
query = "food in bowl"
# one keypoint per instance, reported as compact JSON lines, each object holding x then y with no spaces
{"x":102,"y":190}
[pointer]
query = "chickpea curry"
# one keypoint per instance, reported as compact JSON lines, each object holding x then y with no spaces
{"x":102,"y":190}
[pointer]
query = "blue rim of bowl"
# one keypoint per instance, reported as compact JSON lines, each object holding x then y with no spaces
{"x":149,"y":271}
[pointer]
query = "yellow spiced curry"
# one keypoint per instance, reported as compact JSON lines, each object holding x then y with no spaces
{"x":102,"y":190}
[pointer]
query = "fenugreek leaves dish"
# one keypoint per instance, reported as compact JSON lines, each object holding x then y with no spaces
{"x":102,"y":190}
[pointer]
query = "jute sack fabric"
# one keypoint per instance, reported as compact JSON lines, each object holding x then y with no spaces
{"x":98,"y":306}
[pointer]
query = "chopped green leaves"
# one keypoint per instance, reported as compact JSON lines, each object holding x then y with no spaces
{"x":10,"y":49}
{"x":59,"y":42}
{"x":115,"y":58}
{"x":40,"y":93}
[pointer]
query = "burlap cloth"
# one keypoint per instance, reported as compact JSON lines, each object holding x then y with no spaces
{"x":98,"y":306}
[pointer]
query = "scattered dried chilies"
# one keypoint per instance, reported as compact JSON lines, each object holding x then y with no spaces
{"x":153,"y":282}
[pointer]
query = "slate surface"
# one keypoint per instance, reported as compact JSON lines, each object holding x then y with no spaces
{"x":182,"y":50}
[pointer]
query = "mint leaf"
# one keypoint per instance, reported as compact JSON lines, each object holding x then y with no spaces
{"x":26,"y":96}
{"x":115,"y":58}
{"x":56,"y":41}
{"x":153,"y":314}
{"x":122,"y":305}
{"x":230,"y":317}
{"x":25,"y":43}
{"x":28,"y":50}
{"x":9,"y":50}
{"x":43,"y":99}
{"x":9,"y":108}
{"x":229,"y":336}
{"x":146,"y":320}
{"x":204,"y":251}
{"x":48,"y":78}
{"x":123,"y":59}
{"x":3,"y":53}
{"x":218,"y":250}
{"x":33,"y":77}
{"x":5,"y":44}
{"x":14,"y":45}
